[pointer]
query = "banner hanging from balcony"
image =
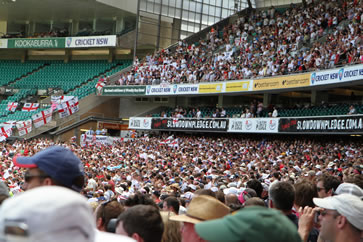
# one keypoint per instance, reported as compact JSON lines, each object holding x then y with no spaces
{"x":343,"y":124}
{"x":190,"y":124}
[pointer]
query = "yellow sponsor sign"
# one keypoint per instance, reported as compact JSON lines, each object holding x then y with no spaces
{"x":237,"y":86}
{"x":210,"y":88}
{"x":281,"y":82}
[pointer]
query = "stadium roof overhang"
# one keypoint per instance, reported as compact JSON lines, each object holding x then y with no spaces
{"x":20,"y":11}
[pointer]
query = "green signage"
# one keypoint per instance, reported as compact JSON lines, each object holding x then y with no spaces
{"x":43,"y":43}
{"x":123,"y":90}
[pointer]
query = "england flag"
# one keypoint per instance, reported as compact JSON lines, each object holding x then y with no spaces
{"x":29,"y":107}
{"x":5,"y":132}
{"x":42,"y":118}
{"x":24,"y":127}
{"x":12,"y":106}
{"x":68,"y":108}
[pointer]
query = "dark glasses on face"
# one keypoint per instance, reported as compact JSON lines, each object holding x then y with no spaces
{"x":28,"y":177}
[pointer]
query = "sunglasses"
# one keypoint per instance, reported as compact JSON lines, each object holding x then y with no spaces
{"x":320,"y":189}
{"x":28,"y":177}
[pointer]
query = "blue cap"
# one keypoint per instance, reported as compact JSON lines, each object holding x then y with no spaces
{"x":60,"y":163}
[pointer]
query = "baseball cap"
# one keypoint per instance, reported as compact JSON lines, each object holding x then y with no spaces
{"x":349,"y":188}
{"x":58,"y":162}
{"x":348,"y":205}
{"x":51,"y":213}
{"x":250,"y":224}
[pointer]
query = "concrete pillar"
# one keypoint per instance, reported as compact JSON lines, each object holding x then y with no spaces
{"x":94,"y":25}
{"x":176,"y":26}
{"x":266,"y":99}
{"x":51,"y":25}
{"x":120,"y":25}
{"x":32,"y":28}
{"x":313,"y":100}
{"x":74,"y":26}
{"x":220,"y":101}
{"x":3,"y":27}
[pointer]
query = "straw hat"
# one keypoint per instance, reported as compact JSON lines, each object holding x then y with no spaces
{"x":202,"y":208}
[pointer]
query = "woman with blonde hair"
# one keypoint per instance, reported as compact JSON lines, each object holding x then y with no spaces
{"x":171,"y":228}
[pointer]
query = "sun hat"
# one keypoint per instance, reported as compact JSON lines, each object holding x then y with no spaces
{"x":203,"y":208}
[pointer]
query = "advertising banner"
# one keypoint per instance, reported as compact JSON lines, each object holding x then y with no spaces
{"x":253,"y":125}
{"x":140,"y":123}
{"x":41,"y":43}
{"x":91,"y":41}
{"x":162,"y":89}
{"x":344,"y":74}
{"x":187,"y":89}
{"x":3,"y":43}
{"x":346,"y":124}
{"x":211,"y":88}
{"x":190,"y":124}
{"x":281,"y":82}
{"x":237,"y":86}
{"x":123,"y":90}
{"x":97,"y":140}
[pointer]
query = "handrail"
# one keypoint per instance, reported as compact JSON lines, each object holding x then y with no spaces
{"x":83,"y":121}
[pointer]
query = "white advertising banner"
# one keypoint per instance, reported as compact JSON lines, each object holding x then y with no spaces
{"x":140,"y":123}
{"x":172,"y":89}
{"x":253,"y":125}
{"x":91,"y":41}
{"x":339,"y":75}
{"x":3,"y":43}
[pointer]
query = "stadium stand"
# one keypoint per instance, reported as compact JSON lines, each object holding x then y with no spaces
{"x":324,"y":35}
{"x":56,"y":74}
{"x":251,"y":112}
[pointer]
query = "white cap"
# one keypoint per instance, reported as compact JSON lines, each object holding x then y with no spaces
{"x":318,"y":166}
{"x":231,"y":190}
{"x":348,"y":205}
{"x":350,"y":188}
{"x":52,"y":213}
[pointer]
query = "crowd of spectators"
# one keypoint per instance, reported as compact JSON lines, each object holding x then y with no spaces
{"x":255,"y":109}
{"x":198,"y":178}
{"x":51,"y":34}
{"x":265,"y":43}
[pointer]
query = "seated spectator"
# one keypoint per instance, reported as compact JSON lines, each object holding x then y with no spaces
{"x":340,"y":218}
{"x":171,"y":204}
{"x":352,"y":110}
{"x":143,"y":223}
{"x":326,"y":185}
{"x":105,"y":212}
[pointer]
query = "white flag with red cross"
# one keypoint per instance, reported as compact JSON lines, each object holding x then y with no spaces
{"x":56,"y":100}
{"x":42,"y":118}
{"x":24,"y":127}
{"x":68,"y":108}
{"x":5,"y":132}
{"x":29,"y":107}
{"x":12,"y":106}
